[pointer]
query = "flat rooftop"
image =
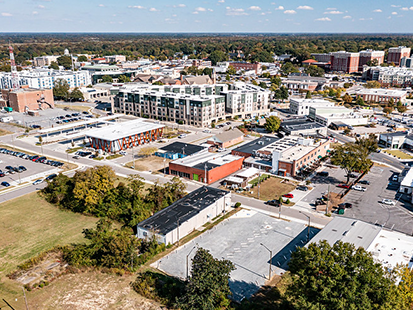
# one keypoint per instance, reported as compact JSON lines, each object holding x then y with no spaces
{"x":300,"y":124}
{"x":255,"y":145}
{"x":182,"y":148}
{"x":207,"y":161}
{"x":408,"y":179}
{"x":182,"y":210}
{"x":122,"y":130}
{"x":357,"y":232}
{"x":382,"y":92}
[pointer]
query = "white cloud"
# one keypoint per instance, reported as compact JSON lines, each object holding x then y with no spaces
{"x":393,"y":13}
{"x":324,"y":19}
{"x":333,"y":12}
{"x":411,"y":8}
{"x":254,"y":8}
{"x":377,"y":11}
{"x":41,"y":6}
{"x":289,"y":12}
{"x":195,"y":12}
{"x":365,"y":18}
{"x":279,"y":8}
{"x":305,"y":7}
{"x":35,"y":12}
{"x":347,"y":17}
{"x":404,"y":9}
{"x":6,"y":14}
{"x":395,"y":6}
{"x":200,"y":9}
{"x":210,"y":10}
{"x":153,"y":10}
{"x":221,"y":1}
{"x":235,"y":12}
{"x":331,"y":9}
{"x":136,"y":7}
{"x":179,"y":6}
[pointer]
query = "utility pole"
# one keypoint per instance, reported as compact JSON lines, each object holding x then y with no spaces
{"x":328,"y":200}
{"x":187,"y":263}
{"x":269,"y":271}
{"x":164,"y":169}
{"x":259,"y":181}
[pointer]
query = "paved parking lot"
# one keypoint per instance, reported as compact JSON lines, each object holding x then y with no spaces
{"x":367,"y":206}
{"x":32,"y":168}
{"x":238,"y":240}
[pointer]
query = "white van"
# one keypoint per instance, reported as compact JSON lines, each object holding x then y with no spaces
{"x":6,"y":119}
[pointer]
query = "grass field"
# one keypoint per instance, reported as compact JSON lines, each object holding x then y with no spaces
{"x":151,"y":163}
{"x":4,"y":132}
{"x":30,"y":225}
{"x":399,"y":154}
{"x":73,"y":107}
{"x":271,"y":188}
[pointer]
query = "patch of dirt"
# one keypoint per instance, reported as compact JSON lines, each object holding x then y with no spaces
{"x":91,"y":290}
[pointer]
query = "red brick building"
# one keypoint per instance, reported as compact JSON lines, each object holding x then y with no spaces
{"x":345,"y":61}
{"x":370,"y":55}
{"x":209,"y":167}
{"x":246,"y":66}
{"x":397,"y":53}
{"x":24,"y":99}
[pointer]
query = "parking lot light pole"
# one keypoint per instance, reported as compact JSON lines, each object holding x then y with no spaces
{"x":309,"y":224}
{"x":187,"y":263}
{"x":269,"y":271}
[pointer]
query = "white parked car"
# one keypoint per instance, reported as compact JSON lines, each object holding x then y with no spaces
{"x":182,"y":136}
{"x":388,"y":202}
{"x":359,"y":188}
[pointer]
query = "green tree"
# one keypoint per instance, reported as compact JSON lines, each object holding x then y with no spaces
{"x":218,"y":56}
{"x":360,"y":101}
{"x":387,"y":110}
{"x":401,"y":108}
{"x":272,"y":123}
{"x":308,"y":95}
{"x":107,"y":79}
{"x":281,"y":93}
{"x":288,"y":68}
{"x":65,"y":61}
{"x":337,"y":276}
{"x":372,"y":63}
{"x":228,"y":77}
{"x":61,"y":89}
{"x":370,"y":143}
{"x":254,"y":82}
{"x":82,"y":58}
{"x":351,"y":157}
{"x":54,"y":65}
{"x":263,"y":85}
{"x":76,"y":95}
{"x":372,"y":84}
{"x":315,"y":71}
{"x":123,"y":79}
{"x":276,"y":80}
{"x":231,"y":70}
{"x":347,"y":98}
{"x":208,"y":286}
{"x":391,"y":103}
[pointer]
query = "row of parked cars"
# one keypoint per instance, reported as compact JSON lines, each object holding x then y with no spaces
{"x":35,"y":158}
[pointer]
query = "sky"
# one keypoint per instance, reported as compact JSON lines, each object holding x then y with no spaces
{"x":229,"y":16}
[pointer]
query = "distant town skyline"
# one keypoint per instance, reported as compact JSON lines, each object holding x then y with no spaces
{"x":206,"y":16}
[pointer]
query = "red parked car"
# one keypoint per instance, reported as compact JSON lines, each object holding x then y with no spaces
{"x":288,"y":195}
{"x":343,"y":186}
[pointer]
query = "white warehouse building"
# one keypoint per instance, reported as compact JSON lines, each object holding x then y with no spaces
{"x":302,"y":106}
{"x":185,"y":215}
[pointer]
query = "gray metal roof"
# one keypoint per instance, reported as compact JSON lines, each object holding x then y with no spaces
{"x":357,"y":232}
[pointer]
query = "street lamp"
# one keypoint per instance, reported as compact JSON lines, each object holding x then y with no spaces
{"x":269,"y":272}
{"x":187,"y":264}
{"x":309,"y":224}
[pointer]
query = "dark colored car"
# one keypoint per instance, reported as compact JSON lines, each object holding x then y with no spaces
{"x":346,"y":205}
{"x":365,"y":182}
{"x":23,"y":168}
{"x":35,"y":157}
{"x":6,"y":184}
{"x":323,"y":174}
{"x":275,"y":203}
{"x":302,"y":188}
{"x":351,"y":175}
{"x":51,"y":177}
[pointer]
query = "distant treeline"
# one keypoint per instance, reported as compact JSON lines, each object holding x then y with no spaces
{"x":256,"y":47}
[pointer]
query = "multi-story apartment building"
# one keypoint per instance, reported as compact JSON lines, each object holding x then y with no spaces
{"x":45,"y":78}
{"x":389,"y":76}
{"x":345,"y":61}
{"x":197,"y":105}
{"x":406,"y":62}
{"x":322,"y":57}
{"x":370,"y":55}
{"x":397,"y":53}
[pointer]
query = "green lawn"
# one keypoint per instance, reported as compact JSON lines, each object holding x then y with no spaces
{"x":29,"y":226}
{"x":399,"y":154}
